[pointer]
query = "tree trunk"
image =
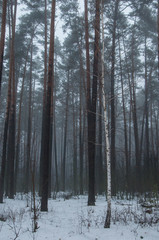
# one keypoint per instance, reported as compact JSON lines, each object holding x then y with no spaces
{"x":147,"y":148}
{"x":74,"y":149}
{"x":65,"y":139}
{"x":19,"y":123}
{"x":81,"y":142}
{"x":46,"y":142}
{"x":2,"y":41}
{"x":107,"y":146}
{"x":91,"y":102}
{"x":5,"y":139}
{"x":12,"y":120}
{"x":55,"y":151}
{"x":51,"y":143}
{"x":81,"y":137}
{"x":88,"y":98}
{"x":125,"y":124}
{"x":130,"y":112}
{"x":99,"y":157}
{"x":112,"y":101}
{"x":44,"y":103}
{"x":108,"y":162}
{"x":29,"y":130}
{"x":135,"y":123}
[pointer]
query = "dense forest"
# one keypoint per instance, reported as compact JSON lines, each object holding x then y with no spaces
{"x":72,"y":104}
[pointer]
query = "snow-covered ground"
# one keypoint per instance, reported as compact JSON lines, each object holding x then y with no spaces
{"x":73,"y":220}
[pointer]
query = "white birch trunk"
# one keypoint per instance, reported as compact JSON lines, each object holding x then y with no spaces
{"x":107,"y":147}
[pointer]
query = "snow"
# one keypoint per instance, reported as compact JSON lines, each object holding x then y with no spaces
{"x":73,"y":220}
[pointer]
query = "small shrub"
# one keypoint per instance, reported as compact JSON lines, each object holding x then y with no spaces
{"x":15,"y":221}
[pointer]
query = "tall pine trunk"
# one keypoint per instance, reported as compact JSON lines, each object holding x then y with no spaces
{"x":17,"y":150}
{"x":91,"y":101}
{"x":81,"y":141}
{"x":147,"y":147}
{"x":99,"y":160}
{"x":88,"y":98}
{"x":12,"y":119}
{"x":47,"y":124}
{"x":44,"y":103}
{"x":5,"y":140}
{"x":135,"y":122}
{"x":112,"y":101}
{"x":65,"y":140}
{"x":125,"y":124}
{"x":2,"y":41}
{"x":74,"y":149}
{"x":29,"y":129}
{"x":55,"y":152}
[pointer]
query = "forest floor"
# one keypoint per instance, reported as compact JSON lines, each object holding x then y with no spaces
{"x":72,"y":219}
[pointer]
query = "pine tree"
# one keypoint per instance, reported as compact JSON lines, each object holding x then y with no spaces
{"x":47,"y":124}
{"x":2,"y":41}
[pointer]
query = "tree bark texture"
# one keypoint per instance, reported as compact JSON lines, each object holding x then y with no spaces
{"x":19,"y":122}
{"x":135,"y":122}
{"x":44,"y":103}
{"x":29,"y":130}
{"x":2,"y":41}
{"x":125,"y":123}
{"x":92,"y":110}
{"x":47,"y":125}
{"x":107,"y":146}
{"x":112,"y":102}
{"x":65,"y":139}
{"x":12,"y":117}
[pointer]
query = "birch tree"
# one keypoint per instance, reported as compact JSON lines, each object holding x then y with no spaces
{"x":107,"y":146}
